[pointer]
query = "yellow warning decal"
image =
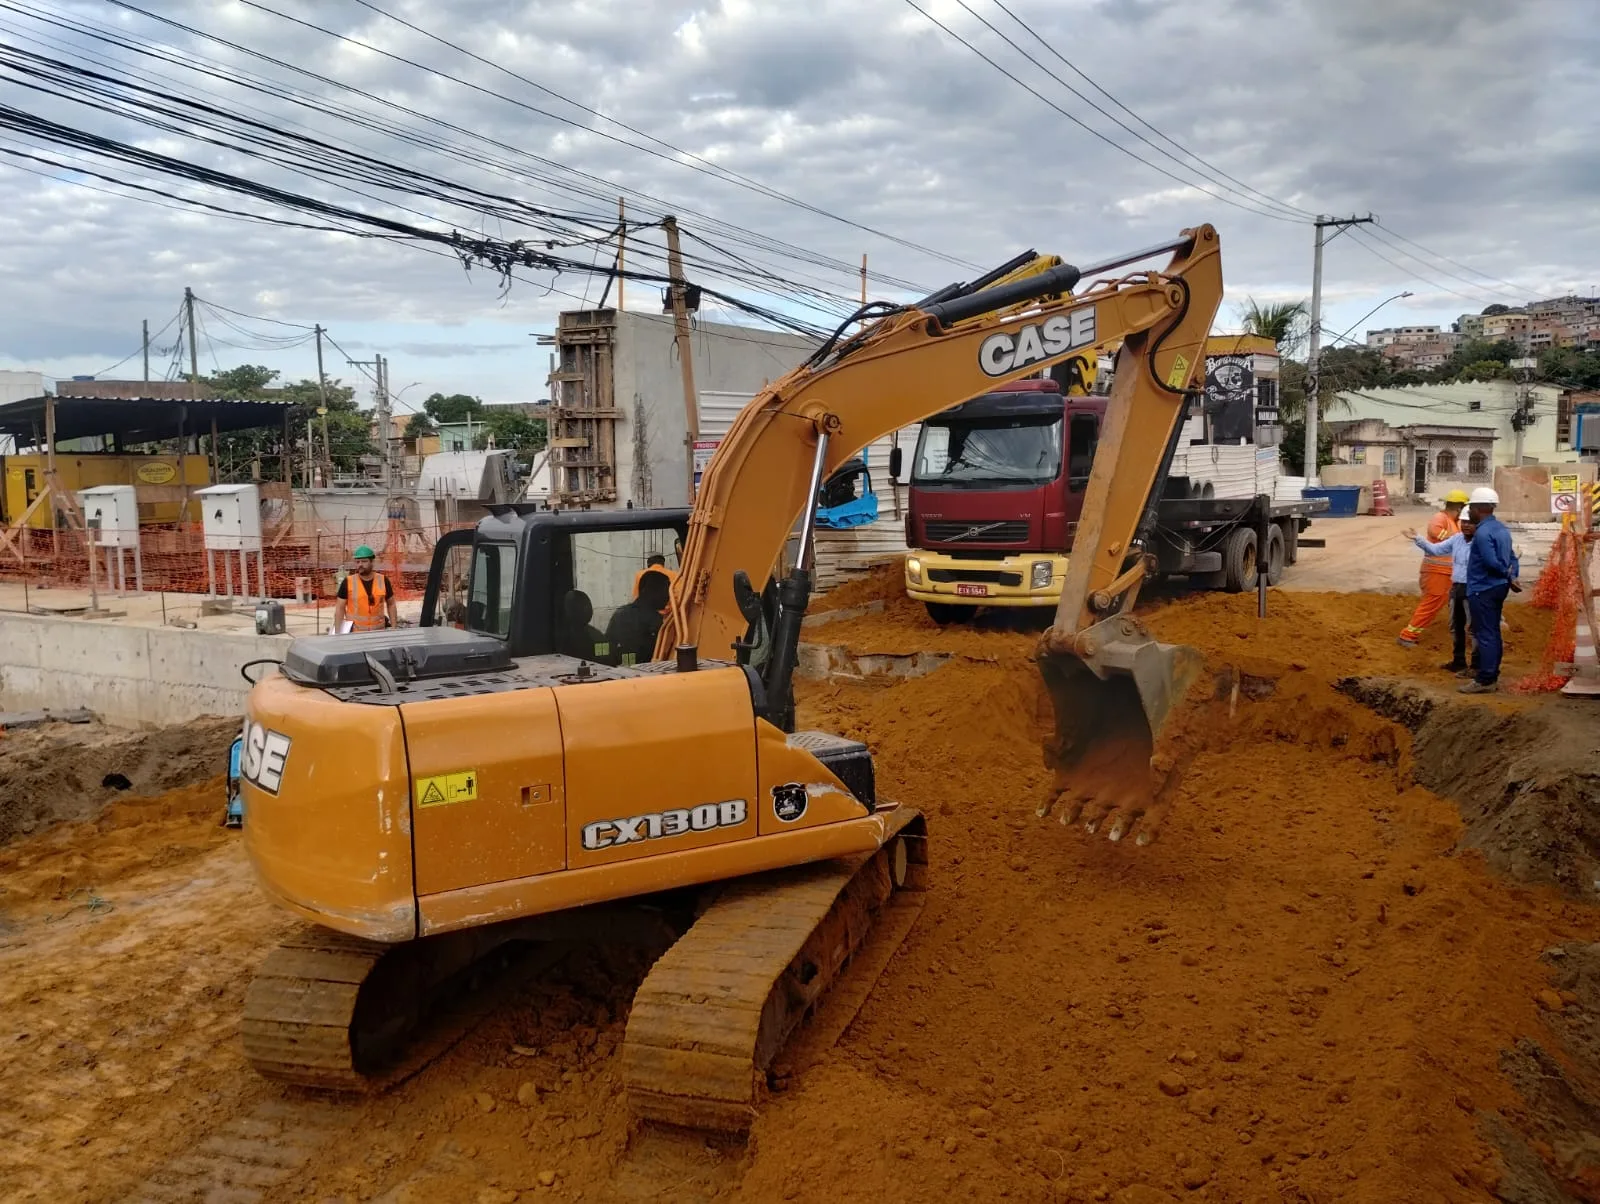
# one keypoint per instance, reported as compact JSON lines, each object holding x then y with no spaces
{"x":1179,"y":376}
{"x":447,"y":788}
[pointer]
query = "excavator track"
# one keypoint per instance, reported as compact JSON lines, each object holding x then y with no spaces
{"x":716,"y":1008}
{"x":336,"y":1012}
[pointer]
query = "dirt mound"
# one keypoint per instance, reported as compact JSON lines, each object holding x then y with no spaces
{"x":68,"y":771}
{"x":878,"y":584}
{"x":1525,"y":775}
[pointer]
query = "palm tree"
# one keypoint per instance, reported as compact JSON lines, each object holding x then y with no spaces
{"x":1281,"y":321}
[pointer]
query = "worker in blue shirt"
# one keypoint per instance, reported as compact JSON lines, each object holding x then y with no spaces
{"x":1458,"y":547}
{"x":1492,"y":571}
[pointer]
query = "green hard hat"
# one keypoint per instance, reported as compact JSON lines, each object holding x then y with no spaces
{"x":365,"y":553}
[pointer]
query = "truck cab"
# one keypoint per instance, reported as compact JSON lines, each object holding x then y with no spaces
{"x":997,"y":486}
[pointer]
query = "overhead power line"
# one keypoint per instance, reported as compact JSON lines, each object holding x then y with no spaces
{"x":1108,"y":140}
{"x":1172,"y":142}
{"x":1205,"y":172}
{"x":545,"y":173}
{"x":1514,"y":292}
{"x":1375,"y":248}
{"x":1497,"y":280}
{"x":698,"y":162}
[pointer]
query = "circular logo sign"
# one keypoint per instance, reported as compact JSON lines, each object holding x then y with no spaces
{"x":156,"y":472}
{"x":789,"y":801}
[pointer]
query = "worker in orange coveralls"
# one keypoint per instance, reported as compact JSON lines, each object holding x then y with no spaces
{"x":1435,"y":576}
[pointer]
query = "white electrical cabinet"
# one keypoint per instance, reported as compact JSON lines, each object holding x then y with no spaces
{"x":231,"y":520}
{"x":114,"y":510}
{"x":231,"y":517}
{"x":111,"y":512}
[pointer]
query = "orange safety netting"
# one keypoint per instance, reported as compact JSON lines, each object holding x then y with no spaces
{"x":303,"y":564}
{"x":1559,"y":588}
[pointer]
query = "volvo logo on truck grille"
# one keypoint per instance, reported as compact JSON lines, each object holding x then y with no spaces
{"x":607,"y":833}
{"x":1038,"y":341}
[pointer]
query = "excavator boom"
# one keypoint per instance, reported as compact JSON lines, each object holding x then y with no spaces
{"x":1112,"y":686}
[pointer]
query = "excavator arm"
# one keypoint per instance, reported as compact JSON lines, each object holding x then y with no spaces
{"x":923,"y":360}
{"x":916,"y":362}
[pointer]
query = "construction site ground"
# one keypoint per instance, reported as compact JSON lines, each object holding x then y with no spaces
{"x":1360,"y":963}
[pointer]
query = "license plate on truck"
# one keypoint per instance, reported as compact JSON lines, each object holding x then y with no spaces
{"x":972,"y":591}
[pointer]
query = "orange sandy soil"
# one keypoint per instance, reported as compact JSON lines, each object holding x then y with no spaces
{"x":1299,"y":993}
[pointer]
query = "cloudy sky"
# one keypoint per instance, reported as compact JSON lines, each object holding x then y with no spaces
{"x":1466,"y":126}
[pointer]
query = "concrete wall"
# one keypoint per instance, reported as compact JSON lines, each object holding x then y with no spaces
{"x":652,"y":462}
{"x":127,"y":675}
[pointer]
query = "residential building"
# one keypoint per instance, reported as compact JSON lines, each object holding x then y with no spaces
{"x":1513,"y":326}
{"x":1417,"y":458}
{"x":1469,"y":326}
{"x":1391,"y":335}
{"x":1490,"y":403}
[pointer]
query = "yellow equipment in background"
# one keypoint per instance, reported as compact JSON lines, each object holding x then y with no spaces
{"x":421,"y":796}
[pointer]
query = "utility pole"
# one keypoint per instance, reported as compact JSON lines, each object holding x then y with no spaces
{"x":1522,"y":416}
{"x":194,"y":344}
{"x":147,"y":350}
{"x":622,"y":244}
{"x":1313,"y":356}
{"x":863,"y":277}
{"x":680,"y":321}
{"x":383,"y":419}
{"x":322,"y":388}
{"x":380,"y":396}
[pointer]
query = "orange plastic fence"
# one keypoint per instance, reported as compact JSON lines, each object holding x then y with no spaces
{"x":1559,"y":588}
{"x":174,"y":559}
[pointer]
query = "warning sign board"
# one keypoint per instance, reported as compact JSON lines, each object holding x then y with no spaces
{"x":1563,"y":493}
{"x":445,"y":788}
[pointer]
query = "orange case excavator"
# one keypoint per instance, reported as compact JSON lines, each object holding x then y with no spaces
{"x":514,"y":771}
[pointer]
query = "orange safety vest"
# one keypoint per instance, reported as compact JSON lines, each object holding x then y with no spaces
{"x":366,"y":614}
{"x":1440,"y":528}
{"x":670,"y":574}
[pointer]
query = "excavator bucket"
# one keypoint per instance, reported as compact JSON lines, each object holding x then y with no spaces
{"x":1114,"y":748}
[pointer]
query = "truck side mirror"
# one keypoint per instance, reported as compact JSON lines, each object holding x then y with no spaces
{"x":896,"y":462}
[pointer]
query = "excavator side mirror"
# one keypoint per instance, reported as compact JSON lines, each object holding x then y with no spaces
{"x":896,"y":462}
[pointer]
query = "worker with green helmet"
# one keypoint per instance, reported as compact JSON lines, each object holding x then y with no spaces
{"x":366,"y":597}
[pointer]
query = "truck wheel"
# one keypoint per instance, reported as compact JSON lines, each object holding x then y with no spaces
{"x":1275,"y":554}
{"x":943,"y":612}
{"x":1291,"y":540}
{"x":1239,"y":561}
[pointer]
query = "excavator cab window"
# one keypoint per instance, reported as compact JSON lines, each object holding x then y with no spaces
{"x":493,"y":588}
{"x":450,"y":604}
{"x":601,"y":576}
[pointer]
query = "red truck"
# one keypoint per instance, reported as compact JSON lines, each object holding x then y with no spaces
{"x":997,"y":486}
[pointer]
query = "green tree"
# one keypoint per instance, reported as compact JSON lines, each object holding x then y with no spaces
{"x":1476,"y":354}
{"x":1292,"y":450}
{"x":511,"y":429}
{"x":1284,"y":322}
{"x":1571,"y":368}
{"x":349,"y":432}
{"x":457,"y":407}
{"x":420,"y":425}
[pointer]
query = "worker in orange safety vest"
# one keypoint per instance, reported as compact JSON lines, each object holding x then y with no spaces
{"x":366,"y":597}
{"x":1435,"y":576}
{"x":657,"y":563}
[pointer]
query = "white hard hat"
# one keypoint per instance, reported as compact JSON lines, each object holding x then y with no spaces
{"x":1484,"y":496}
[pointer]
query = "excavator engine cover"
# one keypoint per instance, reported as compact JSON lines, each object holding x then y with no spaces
{"x":1112,"y":752}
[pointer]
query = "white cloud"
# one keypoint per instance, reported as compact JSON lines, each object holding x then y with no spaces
{"x":1463,"y":123}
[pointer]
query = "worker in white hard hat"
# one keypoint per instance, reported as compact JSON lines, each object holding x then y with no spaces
{"x":1434,"y":579}
{"x":1492,"y":572}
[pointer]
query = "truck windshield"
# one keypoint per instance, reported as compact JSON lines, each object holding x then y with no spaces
{"x":978,"y":452}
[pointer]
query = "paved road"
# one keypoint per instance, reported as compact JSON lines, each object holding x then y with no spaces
{"x":1367,"y":553}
